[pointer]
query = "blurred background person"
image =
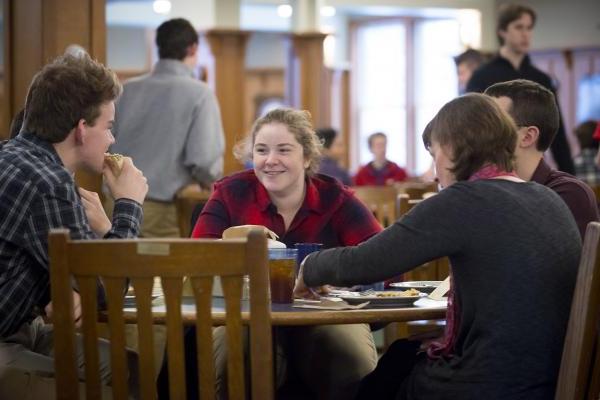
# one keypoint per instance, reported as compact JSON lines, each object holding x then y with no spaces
{"x":333,"y":151}
{"x":586,"y":169}
{"x":380,"y":171}
{"x":170,"y":124}
{"x":514,"y":30}
{"x":466,"y":63}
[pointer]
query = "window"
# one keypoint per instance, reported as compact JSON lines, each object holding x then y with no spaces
{"x":404,"y":73}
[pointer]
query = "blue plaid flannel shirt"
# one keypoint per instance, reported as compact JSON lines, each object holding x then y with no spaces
{"x":37,"y":193}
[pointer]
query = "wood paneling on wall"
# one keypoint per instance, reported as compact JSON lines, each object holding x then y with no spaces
{"x":261,"y":83}
{"x":228,"y":49}
{"x":306,"y":75}
{"x":40,"y":30}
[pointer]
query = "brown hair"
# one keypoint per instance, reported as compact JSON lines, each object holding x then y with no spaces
{"x":375,"y":135}
{"x":508,"y":13}
{"x":585,"y":134}
{"x":174,"y":37}
{"x":532,"y":105}
{"x":298,"y":122}
{"x":64,"y":92}
{"x":477,"y":131}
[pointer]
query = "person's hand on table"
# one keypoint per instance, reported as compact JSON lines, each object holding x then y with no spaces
{"x":305,"y":292}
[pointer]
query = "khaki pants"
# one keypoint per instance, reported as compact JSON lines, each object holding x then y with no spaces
{"x":329,"y":360}
{"x":29,"y":355}
{"x":160,"y":218}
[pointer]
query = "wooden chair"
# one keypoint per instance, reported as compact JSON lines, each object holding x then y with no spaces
{"x":381,"y":200}
{"x":187,"y":202}
{"x":85,"y":262}
{"x":415,"y":190}
{"x":579,"y":376}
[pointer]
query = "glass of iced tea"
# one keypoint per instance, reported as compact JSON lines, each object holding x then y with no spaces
{"x":282,"y":267}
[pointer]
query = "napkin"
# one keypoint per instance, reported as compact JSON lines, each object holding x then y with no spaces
{"x":327,"y":303}
{"x":441,"y":290}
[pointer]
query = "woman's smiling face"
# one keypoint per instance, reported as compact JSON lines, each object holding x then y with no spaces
{"x":279,"y":162}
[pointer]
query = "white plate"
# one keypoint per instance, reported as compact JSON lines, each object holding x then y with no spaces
{"x":382,"y":301}
{"x":422,"y":286}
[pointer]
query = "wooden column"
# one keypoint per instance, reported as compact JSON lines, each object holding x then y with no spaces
{"x":306,"y":88}
{"x":40,"y":30}
{"x":228,"y":49}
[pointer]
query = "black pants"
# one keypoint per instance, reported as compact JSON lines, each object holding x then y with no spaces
{"x":396,"y":364}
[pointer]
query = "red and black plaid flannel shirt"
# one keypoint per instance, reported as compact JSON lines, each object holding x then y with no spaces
{"x":330,"y":214}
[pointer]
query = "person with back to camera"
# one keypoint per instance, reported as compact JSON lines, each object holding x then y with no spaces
{"x":170,"y":124}
{"x":333,"y":151}
{"x":69,"y":112}
{"x":380,"y":171}
{"x":284,"y":193}
{"x":514,"y":30}
{"x":514,"y":249}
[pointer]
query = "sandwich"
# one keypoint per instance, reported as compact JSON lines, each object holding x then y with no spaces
{"x":114,"y":162}
{"x":242,"y":231}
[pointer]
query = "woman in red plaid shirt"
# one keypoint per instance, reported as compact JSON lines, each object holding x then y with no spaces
{"x":284,"y":193}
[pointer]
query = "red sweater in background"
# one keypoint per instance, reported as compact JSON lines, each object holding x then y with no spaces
{"x":369,"y":176}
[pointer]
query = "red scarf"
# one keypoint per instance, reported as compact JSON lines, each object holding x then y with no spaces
{"x":445,"y":346}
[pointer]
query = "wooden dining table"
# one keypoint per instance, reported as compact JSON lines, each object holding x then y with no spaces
{"x":287,"y":315}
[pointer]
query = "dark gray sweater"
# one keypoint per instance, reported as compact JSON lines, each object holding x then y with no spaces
{"x":514,"y":250}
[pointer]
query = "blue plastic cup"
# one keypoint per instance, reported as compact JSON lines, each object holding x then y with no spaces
{"x":305,"y":249}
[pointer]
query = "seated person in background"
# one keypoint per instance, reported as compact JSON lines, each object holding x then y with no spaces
{"x":333,"y":151}
{"x":69,"y":113}
{"x":284,"y":194}
{"x":466,"y":63}
{"x":586,"y":169}
{"x":535,"y":112}
{"x":514,"y":249}
{"x":380,"y":171}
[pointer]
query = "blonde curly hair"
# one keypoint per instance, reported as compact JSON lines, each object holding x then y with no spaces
{"x":299,"y":123}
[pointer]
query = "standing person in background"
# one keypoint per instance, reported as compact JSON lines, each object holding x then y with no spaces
{"x":170,"y":124}
{"x":380,"y":171}
{"x":588,"y":134}
{"x":466,"y":63}
{"x":333,"y":151}
{"x":514,"y":28}
{"x":535,"y":112}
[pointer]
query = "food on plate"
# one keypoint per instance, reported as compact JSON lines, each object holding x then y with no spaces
{"x":405,"y":293}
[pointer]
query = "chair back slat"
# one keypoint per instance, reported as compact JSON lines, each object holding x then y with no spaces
{"x":89,"y":315}
{"x":381,"y":200}
{"x":173,"y":288}
{"x":260,"y":333}
{"x":112,"y":262}
{"x":67,"y":378}
{"x":143,"y":298}
{"x":206,"y":366}
{"x":115,"y":288}
{"x":582,"y":333}
{"x":232,"y":289}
